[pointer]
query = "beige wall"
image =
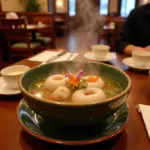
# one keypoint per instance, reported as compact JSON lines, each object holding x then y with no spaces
{"x":14,"y":5}
{"x":11,"y":5}
{"x":44,"y":5}
{"x":141,"y":2}
{"x":64,"y":8}
{"x":113,"y":6}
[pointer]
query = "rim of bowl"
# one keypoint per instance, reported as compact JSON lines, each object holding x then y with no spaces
{"x":126,"y":90}
{"x":9,"y":75}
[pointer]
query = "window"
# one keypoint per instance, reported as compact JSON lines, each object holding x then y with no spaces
{"x":126,"y":7}
{"x":72,"y":8}
{"x":50,"y":6}
{"x":104,"y":7}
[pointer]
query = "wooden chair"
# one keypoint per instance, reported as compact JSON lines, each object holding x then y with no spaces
{"x":61,"y":21}
{"x":4,"y":55}
{"x":47,"y":36}
{"x":19,"y":38}
{"x":116,"y":33}
{"x":1,"y":61}
{"x":48,"y":20}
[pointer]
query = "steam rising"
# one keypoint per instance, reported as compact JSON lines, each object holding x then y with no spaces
{"x":75,"y":67}
{"x":87,"y":24}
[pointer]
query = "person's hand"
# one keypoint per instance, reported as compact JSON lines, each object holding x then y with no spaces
{"x":147,"y":48}
{"x":138,"y":48}
{"x":128,"y":50}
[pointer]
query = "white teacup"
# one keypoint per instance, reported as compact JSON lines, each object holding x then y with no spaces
{"x":12,"y":74}
{"x":141,"y":58}
{"x":100,"y":51}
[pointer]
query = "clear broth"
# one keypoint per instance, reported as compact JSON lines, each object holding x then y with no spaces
{"x":110,"y":89}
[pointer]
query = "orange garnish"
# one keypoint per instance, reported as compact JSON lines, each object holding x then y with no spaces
{"x":72,"y":80}
{"x":52,"y":98}
{"x":72,"y":77}
{"x":75,"y":83}
{"x":92,"y":78}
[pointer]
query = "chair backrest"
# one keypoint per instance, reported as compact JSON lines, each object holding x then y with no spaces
{"x":50,"y":32}
{"x":1,"y":61}
{"x":16,"y":30}
{"x":4,"y":45}
{"x":44,"y":19}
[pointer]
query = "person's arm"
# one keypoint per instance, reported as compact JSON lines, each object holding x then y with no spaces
{"x":147,"y":48}
{"x":124,"y":43}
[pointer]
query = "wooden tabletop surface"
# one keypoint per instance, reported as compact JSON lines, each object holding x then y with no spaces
{"x":32,"y":27}
{"x":135,"y":137}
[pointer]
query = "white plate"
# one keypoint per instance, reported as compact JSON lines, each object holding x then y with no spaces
{"x":129,"y":62}
{"x":110,"y":56}
{"x":5,"y":90}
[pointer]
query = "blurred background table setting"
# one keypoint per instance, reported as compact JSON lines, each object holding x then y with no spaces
{"x":52,"y":56}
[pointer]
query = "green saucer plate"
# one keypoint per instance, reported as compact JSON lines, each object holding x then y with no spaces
{"x":50,"y":132}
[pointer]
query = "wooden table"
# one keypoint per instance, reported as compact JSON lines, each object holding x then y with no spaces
{"x":35,"y":28}
{"x":12,"y":137}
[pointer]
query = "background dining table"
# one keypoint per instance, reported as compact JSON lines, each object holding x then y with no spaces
{"x":31,"y":28}
{"x":34,"y":28}
{"x":134,"y":137}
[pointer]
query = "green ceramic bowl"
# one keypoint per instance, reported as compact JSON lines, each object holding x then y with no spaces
{"x":68,"y":114}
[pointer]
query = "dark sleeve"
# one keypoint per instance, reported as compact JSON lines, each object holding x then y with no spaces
{"x":125,"y":37}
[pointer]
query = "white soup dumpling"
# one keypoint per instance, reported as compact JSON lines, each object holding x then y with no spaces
{"x":88,"y":96}
{"x":54,"y":81}
{"x":61,"y":94}
{"x":96,"y":84}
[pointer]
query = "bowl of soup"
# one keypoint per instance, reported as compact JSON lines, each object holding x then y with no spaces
{"x":75,"y":93}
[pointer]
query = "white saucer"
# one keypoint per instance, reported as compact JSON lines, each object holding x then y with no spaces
{"x":129,"y":62}
{"x":110,"y":56}
{"x":5,"y":90}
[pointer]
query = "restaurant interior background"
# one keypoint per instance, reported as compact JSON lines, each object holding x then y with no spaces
{"x":60,"y":12}
{"x":34,"y":33}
